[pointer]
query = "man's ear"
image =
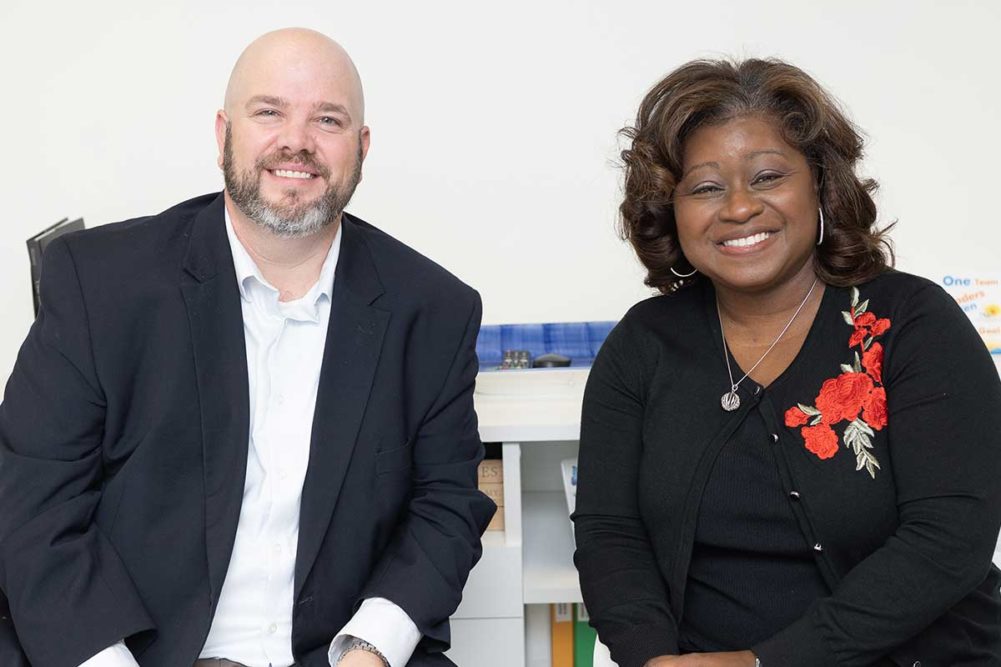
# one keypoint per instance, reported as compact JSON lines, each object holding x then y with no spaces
{"x":221,"y":123}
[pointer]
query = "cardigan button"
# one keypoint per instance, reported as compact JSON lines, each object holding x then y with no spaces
{"x":818,"y":547}
{"x":794,"y":495}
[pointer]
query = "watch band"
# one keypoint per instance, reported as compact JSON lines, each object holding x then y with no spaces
{"x":357,"y":644}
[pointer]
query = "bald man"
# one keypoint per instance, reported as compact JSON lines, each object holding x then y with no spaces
{"x":241,"y":431}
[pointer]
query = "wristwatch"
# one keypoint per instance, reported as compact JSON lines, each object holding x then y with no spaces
{"x":361,"y":645}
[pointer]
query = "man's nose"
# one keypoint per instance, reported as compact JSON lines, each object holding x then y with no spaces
{"x":296,"y":137}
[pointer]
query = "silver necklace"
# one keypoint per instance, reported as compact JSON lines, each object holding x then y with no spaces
{"x":730,"y":400}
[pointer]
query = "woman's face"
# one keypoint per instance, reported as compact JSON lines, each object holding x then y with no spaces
{"x":746,"y":206}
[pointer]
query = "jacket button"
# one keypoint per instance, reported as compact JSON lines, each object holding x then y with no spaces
{"x":775,"y":437}
{"x":794,"y":495}
{"x":818,"y":547}
{"x":917,"y":663}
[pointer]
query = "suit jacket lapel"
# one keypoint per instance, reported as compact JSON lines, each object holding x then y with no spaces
{"x":350,"y":357}
{"x":215,"y":316}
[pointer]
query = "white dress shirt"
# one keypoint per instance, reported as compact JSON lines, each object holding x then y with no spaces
{"x":253,"y":620}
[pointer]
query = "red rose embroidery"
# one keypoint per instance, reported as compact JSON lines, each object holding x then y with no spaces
{"x":856,"y":395}
{"x":842,"y":397}
{"x":795,"y":417}
{"x":872,"y":361}
{"x":865,"y":320}
{"x":821,"y":440}
{"x":880,"y":327}
{"x":874,"y":410}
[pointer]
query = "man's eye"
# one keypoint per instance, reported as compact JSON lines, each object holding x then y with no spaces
{"x":267,"y":113}
{"x":330,"y":120}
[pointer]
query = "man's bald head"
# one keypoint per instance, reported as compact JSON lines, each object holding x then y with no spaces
{"x":289,"y":53}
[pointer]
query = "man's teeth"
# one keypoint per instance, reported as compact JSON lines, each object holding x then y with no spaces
{"x":288,"y":173}
{"x":747,"y":240}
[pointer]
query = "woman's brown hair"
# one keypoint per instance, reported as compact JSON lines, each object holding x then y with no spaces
{"x":706,"y":92}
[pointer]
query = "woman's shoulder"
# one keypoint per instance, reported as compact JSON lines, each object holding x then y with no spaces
{"x":906,"y":295}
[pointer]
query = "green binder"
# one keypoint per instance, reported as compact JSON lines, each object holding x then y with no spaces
{"x":584,"y":637}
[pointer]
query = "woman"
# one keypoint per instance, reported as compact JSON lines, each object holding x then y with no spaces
{"x":791,"y":456}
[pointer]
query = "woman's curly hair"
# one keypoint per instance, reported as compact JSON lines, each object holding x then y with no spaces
{"x":707,"y":92}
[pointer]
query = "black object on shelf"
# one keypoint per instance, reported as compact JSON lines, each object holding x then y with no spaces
{"x":551,"y":360}
{"x":37,"y":245}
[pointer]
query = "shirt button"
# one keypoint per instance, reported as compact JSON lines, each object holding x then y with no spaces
{"x":278,"y":548}
{"x":818,"y":547}
{"x":775,"y":437}
{"x":794,"y":495}
{"x":272,"y":629}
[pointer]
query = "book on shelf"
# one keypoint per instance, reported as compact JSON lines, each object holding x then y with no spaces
{"x":569,"y":469}
{"x":36,"y":248}
{"x":490,"y":480}
{"x":562,"y":626}
{"x":584,"y":637}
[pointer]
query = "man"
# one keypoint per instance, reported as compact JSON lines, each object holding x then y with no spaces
{"x":241,"y":431}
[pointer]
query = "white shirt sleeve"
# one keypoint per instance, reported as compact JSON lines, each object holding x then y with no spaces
{"x":117,"y":655}
{"x":383,"y":625}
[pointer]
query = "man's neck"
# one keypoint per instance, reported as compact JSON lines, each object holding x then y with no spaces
{"x":291,"y":265}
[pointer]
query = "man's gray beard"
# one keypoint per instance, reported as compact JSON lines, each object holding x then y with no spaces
{"x":285,"y":221}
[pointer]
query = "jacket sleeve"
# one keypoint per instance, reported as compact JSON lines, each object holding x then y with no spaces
{"x":625,"y":594}
{"x":426,"y":564}
{"x":944,"y":433}
{"x":70,"y":595}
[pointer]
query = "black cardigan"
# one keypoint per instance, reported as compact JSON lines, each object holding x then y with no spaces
{"x":903,"y":529}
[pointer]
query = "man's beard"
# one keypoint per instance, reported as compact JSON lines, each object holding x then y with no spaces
{"x":296,"y":218}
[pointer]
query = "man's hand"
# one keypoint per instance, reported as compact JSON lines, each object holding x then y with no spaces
{"x":728,"y":659}
{"x":359,"y":658}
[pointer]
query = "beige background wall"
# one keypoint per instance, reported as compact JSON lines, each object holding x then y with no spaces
{"x":494,"y":124}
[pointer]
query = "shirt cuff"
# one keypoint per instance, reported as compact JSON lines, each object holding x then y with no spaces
{"x":383,"y":625}
{"x":117,"y":655}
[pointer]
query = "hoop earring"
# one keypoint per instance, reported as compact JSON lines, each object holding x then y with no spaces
{"x":684,"y":275}
{"x":820,"y":239}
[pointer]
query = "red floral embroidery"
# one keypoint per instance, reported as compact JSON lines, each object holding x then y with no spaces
{"x":796,"y":417}
{"x":856,"y":395}
{"x":874,"y":410}
{"x":842,"y":397}
{"x":872,"y":362}
{"x":821,"y":440}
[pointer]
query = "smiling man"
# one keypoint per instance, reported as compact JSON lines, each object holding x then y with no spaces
{"x":241,"y":432}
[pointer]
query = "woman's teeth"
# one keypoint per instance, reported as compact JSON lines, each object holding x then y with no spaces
{"x":747,"y":240}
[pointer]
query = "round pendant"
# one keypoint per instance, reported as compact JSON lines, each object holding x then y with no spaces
{"x":730,"y":401}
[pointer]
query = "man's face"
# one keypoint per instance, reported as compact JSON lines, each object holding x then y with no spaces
{"x":293,"y":146}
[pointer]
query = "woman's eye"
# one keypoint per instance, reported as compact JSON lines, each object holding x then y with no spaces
{"x":767,"y":178}
{"x":706,"y":189}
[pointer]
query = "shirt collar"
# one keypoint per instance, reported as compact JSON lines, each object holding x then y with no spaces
{"x":252,"y":282}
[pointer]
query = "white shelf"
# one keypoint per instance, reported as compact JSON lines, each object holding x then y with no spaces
{"x":507,"y":413}
{"x":549,"y":573}
{"x":514,"y":419}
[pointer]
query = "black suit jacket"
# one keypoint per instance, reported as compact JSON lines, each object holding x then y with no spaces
{"x":124,"y":437}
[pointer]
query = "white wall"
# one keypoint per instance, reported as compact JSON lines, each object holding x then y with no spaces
{"x":493,"y":123}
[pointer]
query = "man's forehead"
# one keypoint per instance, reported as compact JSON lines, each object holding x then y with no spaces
{"x":300,"y":67}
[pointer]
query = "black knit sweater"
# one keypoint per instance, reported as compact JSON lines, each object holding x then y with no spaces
{"x":888,"y":428}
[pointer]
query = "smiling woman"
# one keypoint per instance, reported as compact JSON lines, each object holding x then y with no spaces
{"x":836,"y":503}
